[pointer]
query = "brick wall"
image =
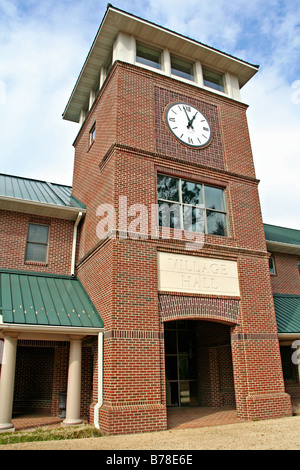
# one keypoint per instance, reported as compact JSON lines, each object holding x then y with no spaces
{"x":34,"y":376}
{"x":215,"y":370}
{"x":286,"y":279}
{"x":13,"y":231}
{"x":42,"y":374}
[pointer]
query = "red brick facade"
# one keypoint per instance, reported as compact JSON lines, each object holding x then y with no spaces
{"x":286,"y":279}
{"x":132,"y":144}
{"x":237,"y":342}
{"x":14,"y":229}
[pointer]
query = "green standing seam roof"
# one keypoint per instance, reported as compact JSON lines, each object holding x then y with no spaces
{"x":45,"y":299}
{"x":287,"y":309}
{"x":38,"y":191}
{"x":282,"y":234}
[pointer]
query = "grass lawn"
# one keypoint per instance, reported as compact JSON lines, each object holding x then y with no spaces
{"x":53,"y":434}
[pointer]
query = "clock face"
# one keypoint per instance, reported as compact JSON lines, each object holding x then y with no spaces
{"x":188,"y":124}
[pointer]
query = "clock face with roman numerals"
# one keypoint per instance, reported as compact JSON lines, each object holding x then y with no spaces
{"x":188,"y":124}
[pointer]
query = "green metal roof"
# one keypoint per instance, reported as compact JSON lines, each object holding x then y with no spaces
{"x":287,"y":309}
{"x":45,"y":299}
{"x":38,"y":191}
{"x":282,"y":234}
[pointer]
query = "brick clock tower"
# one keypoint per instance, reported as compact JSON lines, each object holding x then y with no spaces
{"x":172,"y":249}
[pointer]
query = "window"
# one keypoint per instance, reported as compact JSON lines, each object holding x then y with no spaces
{"x":299,"y":266}
{"x":92,"y":134}
{"x":181,"y":68}
{"x":272,"y":265}
{"x":147,"y":56}
{"x":191,"y":206}
{"x":288,"y":368}
{"x":213,"y":80}
{"x":37,"y":243}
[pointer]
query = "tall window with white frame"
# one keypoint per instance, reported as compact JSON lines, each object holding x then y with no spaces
{"x":37,"y":243}
{"x":272,"y":265}
{"x":191,"y":206}
{"x":92,"y":134}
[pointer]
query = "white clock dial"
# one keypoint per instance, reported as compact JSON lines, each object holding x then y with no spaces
{"x":188,"y":124}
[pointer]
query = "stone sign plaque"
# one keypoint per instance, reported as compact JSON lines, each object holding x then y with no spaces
{"x":197,"y":275}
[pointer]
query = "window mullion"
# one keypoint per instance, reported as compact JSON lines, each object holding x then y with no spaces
{"x":204,"y":204}
{"x":181,"y":205}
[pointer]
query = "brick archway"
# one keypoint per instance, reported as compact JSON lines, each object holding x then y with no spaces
{"x":176,"y":307}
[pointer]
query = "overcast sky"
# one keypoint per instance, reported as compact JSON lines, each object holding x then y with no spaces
{"x":43,"y":44}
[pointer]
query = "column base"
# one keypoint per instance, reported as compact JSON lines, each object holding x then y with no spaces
{"x":71,"y":422}
{"x":7,"y":427}
{"x":128,"y":419}
{"x":268,"y":406}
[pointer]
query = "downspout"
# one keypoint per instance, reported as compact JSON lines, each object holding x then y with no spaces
{"x":74,"y":243}
{"x":100,"y":381}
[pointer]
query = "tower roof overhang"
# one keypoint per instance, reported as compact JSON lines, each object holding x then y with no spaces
{"x":115,"y":21}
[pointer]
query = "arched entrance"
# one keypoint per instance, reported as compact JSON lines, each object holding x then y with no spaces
{"x":198,"y":364}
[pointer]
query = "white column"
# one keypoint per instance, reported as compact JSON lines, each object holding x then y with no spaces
{"x":74,"y":383}
{"x":166,"y":62}
{"x":198,"y":74}
{"x":124,"y":48}
{"x":7,"y":383}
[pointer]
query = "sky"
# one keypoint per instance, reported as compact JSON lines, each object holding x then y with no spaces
{"x":44,"y":43}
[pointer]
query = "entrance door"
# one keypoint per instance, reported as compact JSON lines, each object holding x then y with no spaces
{"x":180,"y":362}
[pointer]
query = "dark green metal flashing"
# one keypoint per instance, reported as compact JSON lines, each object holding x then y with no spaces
{"x":41,"y":299}
{"x":274,"y":233}
{"x":287,"y":309}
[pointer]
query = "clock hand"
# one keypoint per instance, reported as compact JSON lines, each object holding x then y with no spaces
{"x":194,"y":117}
{"x":189,"y":124}
{"x":191,"y":120}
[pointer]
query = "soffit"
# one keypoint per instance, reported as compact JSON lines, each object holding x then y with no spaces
{"x":282,"y":239}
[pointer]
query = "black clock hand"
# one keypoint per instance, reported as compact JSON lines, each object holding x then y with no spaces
{"x":191,"y":121}
{"x":189,"y":124}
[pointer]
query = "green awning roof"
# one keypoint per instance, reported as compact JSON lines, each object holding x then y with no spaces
{"x":287,"y":309}
{"x":27,"y":189}
{"x":45,"y":299}
{"x":282,"y":234}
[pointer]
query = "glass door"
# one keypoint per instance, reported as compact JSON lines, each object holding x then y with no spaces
{"x":180,"y":361}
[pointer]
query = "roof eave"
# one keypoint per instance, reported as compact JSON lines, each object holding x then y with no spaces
{"x":39,"y":208}
{"x":288,"y":336}
{"x":116,"y":20}
{"x":283,"y":247}
{"x":61,"y":332}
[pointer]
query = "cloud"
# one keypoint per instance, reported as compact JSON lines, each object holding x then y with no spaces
{"x":264,"y":33}
{"x":41,"y":56}
{"x":44,"y":43}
